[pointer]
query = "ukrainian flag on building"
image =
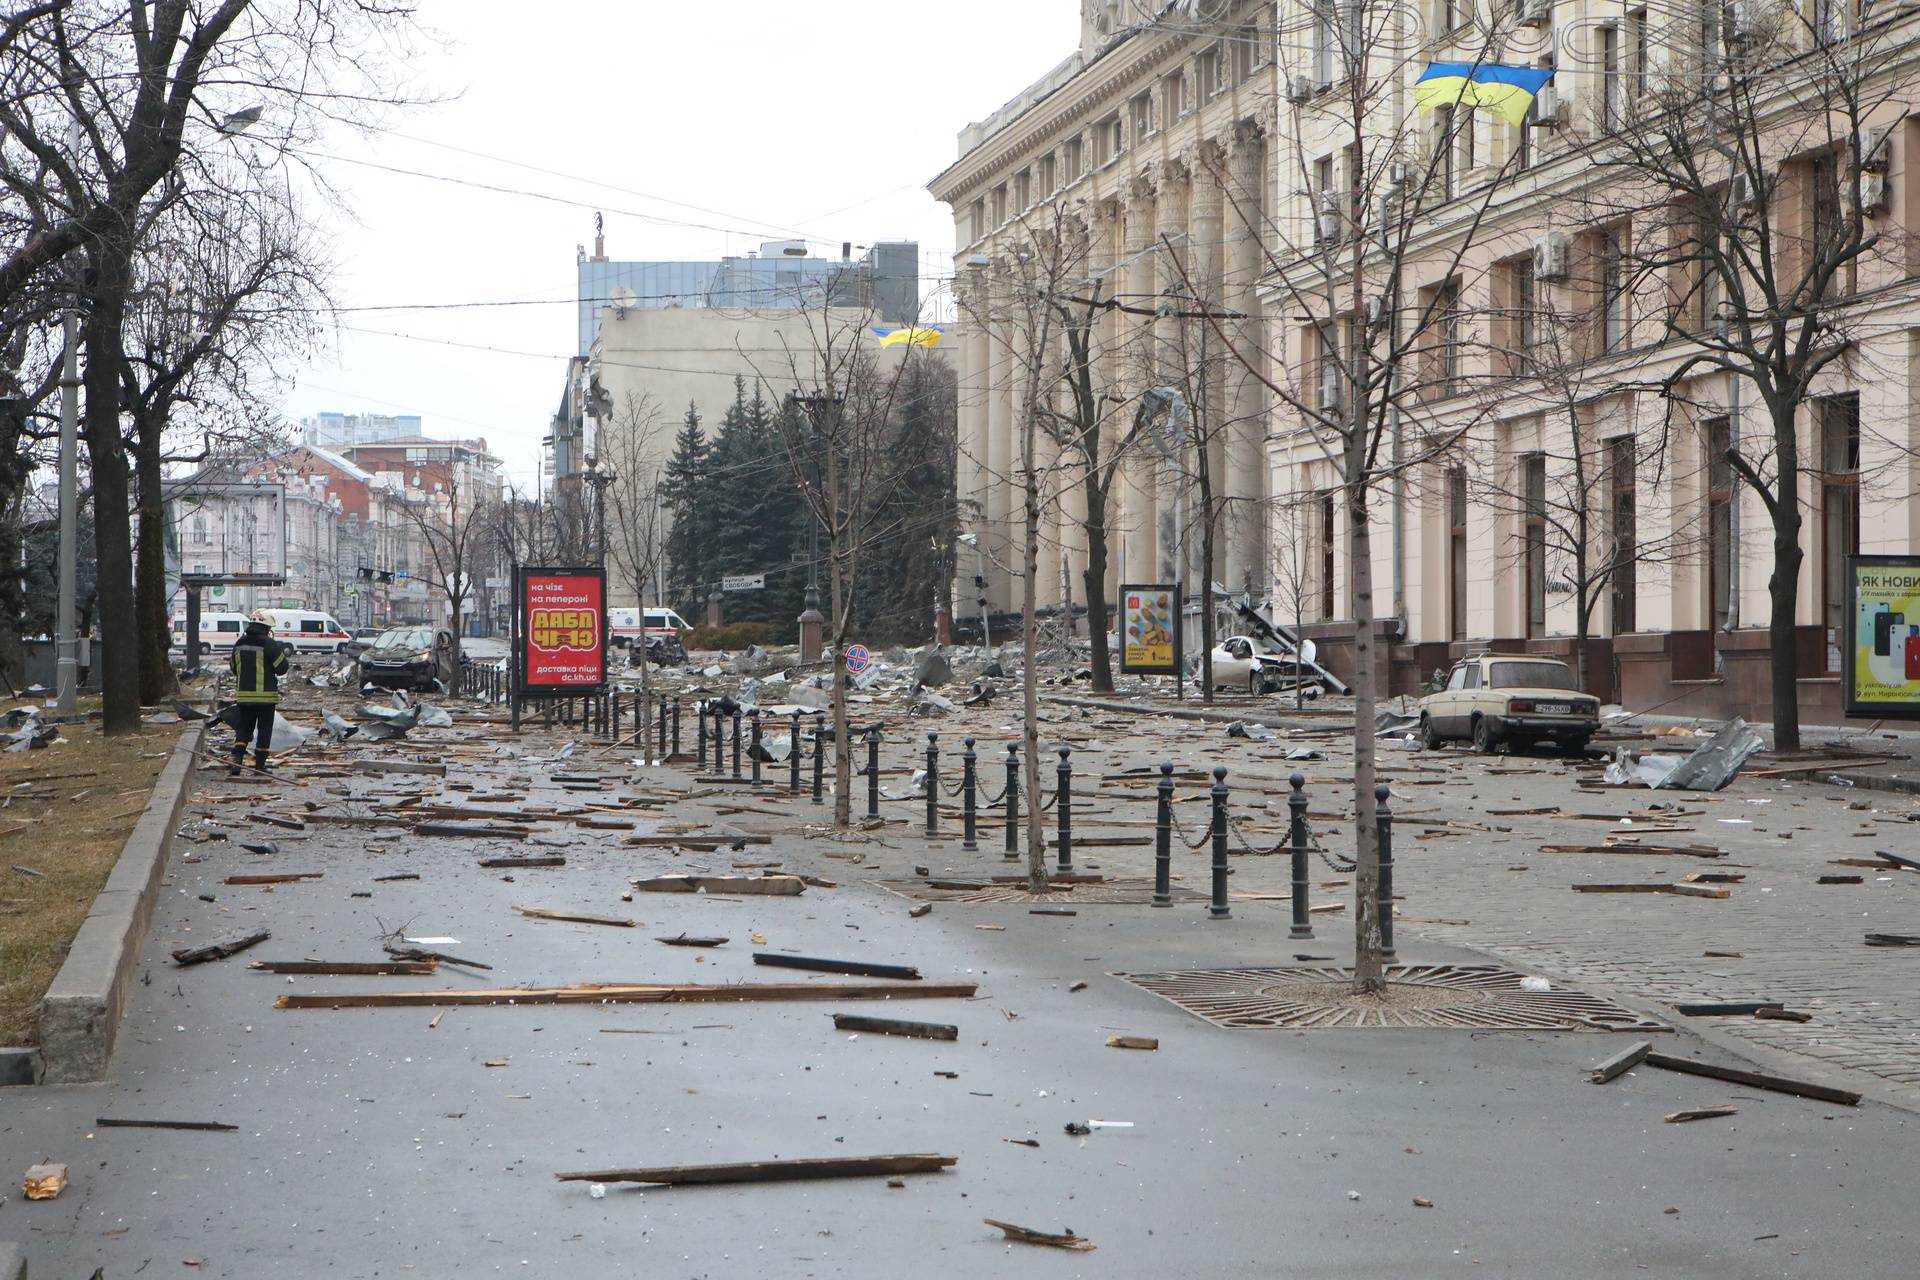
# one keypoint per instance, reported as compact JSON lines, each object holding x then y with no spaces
{"x":919,"y":335}
{"x":1505,"y":91}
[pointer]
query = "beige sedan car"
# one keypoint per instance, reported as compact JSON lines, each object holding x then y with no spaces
{"x":1510,"y":700}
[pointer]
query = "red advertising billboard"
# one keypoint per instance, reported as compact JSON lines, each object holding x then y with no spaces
{"x":563,"y":630}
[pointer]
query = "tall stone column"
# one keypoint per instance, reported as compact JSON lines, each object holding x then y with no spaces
{"x":1140,"y":539}
{"x":1213,"y":361}
{"x":998,"y":479}
{"x":1176,"y":497}
{"x":970,"y":470}
{"x":1246,"y":478}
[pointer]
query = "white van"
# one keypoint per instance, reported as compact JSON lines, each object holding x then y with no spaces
{"x":305,"y":630}
{"x":218,"y":630}
{"x":626,"y":628}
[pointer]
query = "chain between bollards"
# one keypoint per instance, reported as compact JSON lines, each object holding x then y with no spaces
{"x":969,"y":833}
{"x":933,"y":785}
{"x":1383,"y":820}
{"x":1219,"y":910}
{"x":1163,"y":839}
{"x":873,"y":773}
{"x":1013,"y":801}
{"x":1297,"y":840}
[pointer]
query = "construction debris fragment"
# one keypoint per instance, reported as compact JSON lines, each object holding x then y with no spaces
{"x":778,"y":886}
{"x":44,"y":1181}
{"x":905,"y":973}
{"x":632,"y":993}
{"x":895,"y":1027}
{"x":1700,"y":1113}
{"x":1056,"y":1240}
{"x":200,"y":1126}
{"x":693,"y":940}
{"x":218,"y":950}
{"x":1753,"y":1079}
{"x":1132,"y":1042}
{"x":575,"y":917}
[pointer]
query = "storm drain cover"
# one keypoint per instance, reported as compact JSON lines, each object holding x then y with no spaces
{"x":1474,"y":997}
{"x":1108,"y":893}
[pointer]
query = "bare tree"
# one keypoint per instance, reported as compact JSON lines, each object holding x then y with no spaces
{"x":454,"y":527}
{"x":835,"y":444}
{"x":1756,"y":194}
{"x":629,"y":452}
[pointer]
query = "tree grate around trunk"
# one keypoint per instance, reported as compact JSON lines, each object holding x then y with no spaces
{"x":1444,"y":996}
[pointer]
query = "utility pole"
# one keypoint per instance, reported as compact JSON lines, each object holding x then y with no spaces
{"x":66,"y":680}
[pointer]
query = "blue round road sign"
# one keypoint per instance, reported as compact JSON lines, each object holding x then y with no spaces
{"x":858,"y":659}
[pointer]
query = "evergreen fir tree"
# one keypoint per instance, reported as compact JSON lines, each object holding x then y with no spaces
{"x":685,"y":490}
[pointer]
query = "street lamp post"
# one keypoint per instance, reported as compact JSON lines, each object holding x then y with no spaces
{"x":599,"y":480}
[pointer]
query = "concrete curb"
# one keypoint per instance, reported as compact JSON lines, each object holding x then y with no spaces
{"x":13,"y":1263}
{"x":81,"y":1012}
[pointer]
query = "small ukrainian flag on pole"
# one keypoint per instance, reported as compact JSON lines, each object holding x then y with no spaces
{"x":919,"y":335}
{"x":1506,"y":91}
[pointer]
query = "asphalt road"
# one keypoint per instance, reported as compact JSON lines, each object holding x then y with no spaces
{"x":377,"y":1143}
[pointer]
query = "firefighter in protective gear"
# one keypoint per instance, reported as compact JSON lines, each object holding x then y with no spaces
{"x":258,"y":662}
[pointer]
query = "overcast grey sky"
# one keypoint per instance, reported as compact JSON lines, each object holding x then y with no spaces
{"x":824,"y":118}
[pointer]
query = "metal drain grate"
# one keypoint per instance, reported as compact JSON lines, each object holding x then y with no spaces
{"x":1473,"y":997}
{"x":1110,"y":893}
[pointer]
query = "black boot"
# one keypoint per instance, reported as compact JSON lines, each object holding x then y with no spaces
{"x":239,"y":758}
{"x":260,"y":762}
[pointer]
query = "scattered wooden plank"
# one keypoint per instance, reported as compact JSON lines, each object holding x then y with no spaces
{"x":1782,"y":1015}
{"x":400,"y":766}
{"x":693,"y":940}
{"x":1054,"y":1240}
{"x":1132,"y":1042}
{"x":416,"y":953}
{"x":1701,"y":1113}
{"x":218,"y":950}
{"x":274,"y":820}
{"x":693,"y":841}
{"x":817,"y":964}
{"x":575,"y":917}
{"x":370,"y":968}
{"x":398,"y":875}
{"x":1753,"y":1079}
{"x":477,"y":830}
{"x":1838,"y":880}
{"x":1698,"y":891}
{"x":1678,"y":890}
{"x":199,"y":1126}
{"x":895,"y":1027}
{"x":1817,"y":766}
{"x":549,"y":860}
{"x":1897,"y":860}
{"x":281,"y":877}
{"x":1650,"y":850}
{"x":1724,"y":1008}
{"x":782,"y":886}
{"x":1893,"y":939}
{"x":633,"y":993}
{"x":770,"y":1170}
{"x":1622,"y":1062}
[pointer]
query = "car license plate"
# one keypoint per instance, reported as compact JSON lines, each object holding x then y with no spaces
{"x":1552,"y":708}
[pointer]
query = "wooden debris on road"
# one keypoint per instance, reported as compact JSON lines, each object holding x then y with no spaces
{"x":340,"y":968}
{"x":574,"y":917}
{"x":282,"y":877}
{"x":1027,"y":1235}
{"x":693,"y":940}
{"x":485,"y":831}
{"x":1753,"y":1079}
{"x":633,"y":993}
{"x":867,"y":969}
{"x":218,"y":950}
{"x":1652,"y":850}
{"x":398,"y":875}
{"x":1701,"y":1113}
{"x":1678,"y":890}
{"x":416,"y":953}
{"x":199,"y":1126}
{"x":1132,"y":1042}
{"x":895,"y":1027}
{"x":545,"y":860}
{"x":708,"y":842}
{"x":1622,"y":1062}
{"x":781,"y":886}
{"x":770,"y":1170}
{"x":274,"y":820}
{"x":1898,"y":861}
{"x":1724,"y":1008}
{"x":924,"y":909}
{"x":1837,"y":879}
{"x":1893,"y":939}
{"x":1777,"y":1014}
{"x":400,"y":766}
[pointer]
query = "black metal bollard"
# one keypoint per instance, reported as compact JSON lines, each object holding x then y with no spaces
{"x":1063,"y":810}
{"x":1383,"y":819}
{"x":736,"y":742}
{"x":933,"y":785}
{"x":969,"y":836}
{"x":793,"y":757}
{"x":1013,"y":801}
{"x":755,"y":749}
{"x":616,"y":717}
{"x":719,"y":742}
{"x":1163,"y":839}
{"x":676,"y":730}
{"x":873,"y":773}
{"x":819,"y":749}
{"x":1297,"y":843}
{"x":700,"y":728}
{"x":661,"y":736}
{"x":1218,"y":910}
